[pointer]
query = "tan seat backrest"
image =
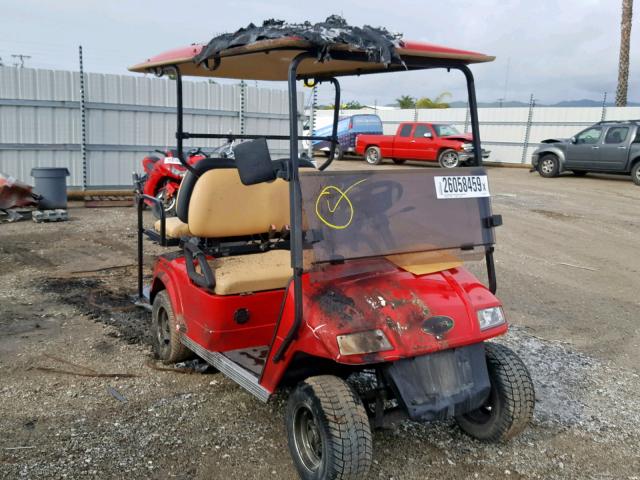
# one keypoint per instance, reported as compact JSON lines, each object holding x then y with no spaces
{"x":221,"y":206}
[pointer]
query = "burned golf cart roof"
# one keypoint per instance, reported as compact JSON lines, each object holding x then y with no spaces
{"x":264,"y":53}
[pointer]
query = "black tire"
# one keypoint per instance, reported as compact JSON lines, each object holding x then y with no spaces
{"x":509,"y":408}
{"x":166,"y":338}
{"x":549,"y":166}
{"x":398,"y":161}
{"x":579,"y":173}
{"x":328,"y":430}
{"x":449,"y":158}
{"x":338,"y":154}
{"x":635,"y":173}
{"x":373,"y":156}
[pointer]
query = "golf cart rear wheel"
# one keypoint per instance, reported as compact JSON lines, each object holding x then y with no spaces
{"x":328,"y":430}
{"x":166,"y":338}
{"x":373,"y":156}
{"x":449,"y":159}
{"x":548,"y":166}
{"x":509,"y":408}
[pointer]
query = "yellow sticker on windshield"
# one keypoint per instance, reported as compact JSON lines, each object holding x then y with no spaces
{"x":337,"y":201}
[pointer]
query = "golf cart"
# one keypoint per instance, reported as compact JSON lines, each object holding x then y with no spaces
{"x":346,"y":289}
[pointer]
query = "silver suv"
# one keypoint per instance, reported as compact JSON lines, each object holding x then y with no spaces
{"x":606,"y":147}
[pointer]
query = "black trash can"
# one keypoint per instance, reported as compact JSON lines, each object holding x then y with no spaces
{"x":51,"y":183}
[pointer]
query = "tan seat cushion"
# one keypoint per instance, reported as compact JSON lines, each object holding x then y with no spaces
{"x":221,"y":206}
{"x":174,"y":228}
{"x":252,"y":273}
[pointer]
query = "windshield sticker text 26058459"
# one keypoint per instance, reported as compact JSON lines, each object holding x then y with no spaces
{"x":462,"y":186}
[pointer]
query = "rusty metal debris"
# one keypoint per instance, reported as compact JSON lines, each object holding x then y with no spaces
{"x":84,"y":371}
{"x":14,"y":197}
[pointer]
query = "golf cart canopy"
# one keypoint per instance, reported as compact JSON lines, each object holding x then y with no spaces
{"x":265,"y":53}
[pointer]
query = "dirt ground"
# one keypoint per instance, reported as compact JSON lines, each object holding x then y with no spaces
{"x":81,"y":396}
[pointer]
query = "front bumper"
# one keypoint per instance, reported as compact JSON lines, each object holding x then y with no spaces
{"x":441,"y":385}
{"x":534,"y":162}
{"x":464,"y":156}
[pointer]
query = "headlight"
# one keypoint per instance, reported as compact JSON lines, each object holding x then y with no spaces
{"x":178,"y":171}
{"x":490,"y":317}
{"x":467,"y":147}
{"x":363,"y":342}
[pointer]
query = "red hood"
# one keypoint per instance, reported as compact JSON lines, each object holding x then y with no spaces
{"x":398,"y":303}
{"x":463,"y":137}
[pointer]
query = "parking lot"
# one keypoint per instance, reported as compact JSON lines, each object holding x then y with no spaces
{"x":81,"y":396}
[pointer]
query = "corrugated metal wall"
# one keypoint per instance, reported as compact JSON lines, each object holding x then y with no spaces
{"x":127,"y":116}
{"x":504,"y":130}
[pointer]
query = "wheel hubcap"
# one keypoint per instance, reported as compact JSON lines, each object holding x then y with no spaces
{"x":307,"y":439}
{"x":167,"y":203}
{"x":547,"y":166}
{"x":450,"y":160}
{"x":372,"y":156}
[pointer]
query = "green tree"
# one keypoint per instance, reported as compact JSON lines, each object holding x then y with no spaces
{"x":406,"y":101}
{"x":352,"y":105}
{"x":438,"y":102}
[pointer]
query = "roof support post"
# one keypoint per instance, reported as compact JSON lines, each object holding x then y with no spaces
{"x":473,"y":111}
{"x":295,"y":201}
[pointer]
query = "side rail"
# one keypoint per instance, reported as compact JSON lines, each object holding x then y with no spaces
{"x":159,"y":237}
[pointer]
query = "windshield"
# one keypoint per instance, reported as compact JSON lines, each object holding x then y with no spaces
{"x":367,"y":123}
{"x":359,"y":214}
{"x":445,"y":130}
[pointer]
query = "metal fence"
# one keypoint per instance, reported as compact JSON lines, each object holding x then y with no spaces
{"x":511,"y":134}
{"x":126,"y":116}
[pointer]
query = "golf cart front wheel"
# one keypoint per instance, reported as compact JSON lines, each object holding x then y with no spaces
{"x":165,"y":336}
{"x":328,"y":430}
{"x":509,"y":408}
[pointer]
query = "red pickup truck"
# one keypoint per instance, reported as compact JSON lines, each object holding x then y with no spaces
{"x":419,"y":141}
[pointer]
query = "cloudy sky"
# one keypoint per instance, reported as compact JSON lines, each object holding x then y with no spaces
{"x":557,"y":50}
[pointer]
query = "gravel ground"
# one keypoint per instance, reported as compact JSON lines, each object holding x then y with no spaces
{"x":63,"y":323}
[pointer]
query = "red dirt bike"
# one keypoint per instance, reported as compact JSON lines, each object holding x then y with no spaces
{"x":163,"y":175}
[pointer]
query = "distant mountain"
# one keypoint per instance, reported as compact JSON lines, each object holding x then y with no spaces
{"x":585,"y":102}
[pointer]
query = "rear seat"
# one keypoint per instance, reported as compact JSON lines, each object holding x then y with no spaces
{"x":219,"y":206}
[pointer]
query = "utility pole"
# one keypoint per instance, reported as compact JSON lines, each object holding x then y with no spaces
{"x":83,"y":123}
{"x":20,"y":58}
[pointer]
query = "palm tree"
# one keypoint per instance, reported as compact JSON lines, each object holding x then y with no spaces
{"x":426,"y":102}
{"x":623,"y":63}
{"x":406,"y":101}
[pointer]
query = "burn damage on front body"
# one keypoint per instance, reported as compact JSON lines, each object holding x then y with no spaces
{"x":366,"y":302}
